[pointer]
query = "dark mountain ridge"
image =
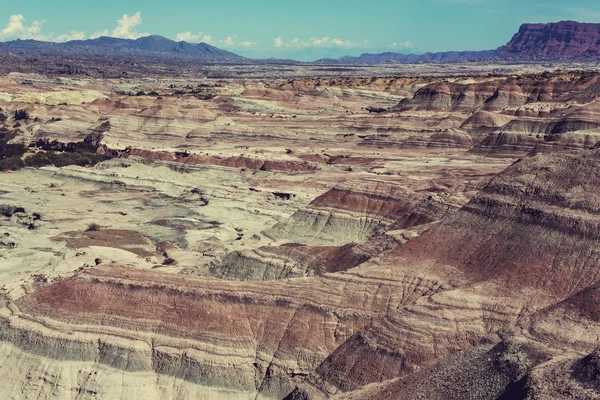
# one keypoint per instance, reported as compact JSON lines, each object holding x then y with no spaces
{"x":104,"y":46}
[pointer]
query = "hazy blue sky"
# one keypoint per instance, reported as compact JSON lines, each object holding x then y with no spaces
{"x":302,"y":29}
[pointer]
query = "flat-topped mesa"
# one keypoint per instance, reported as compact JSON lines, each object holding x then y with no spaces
{"x":565,"y":39}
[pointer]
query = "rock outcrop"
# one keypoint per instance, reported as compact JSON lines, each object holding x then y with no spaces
{"x":355,"y":212}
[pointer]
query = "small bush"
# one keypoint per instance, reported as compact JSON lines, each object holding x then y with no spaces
{"x":169,"y":261}
{"x":11,"y":150}
{"x":11,"y":164}
{"x":93,"y":227}
{"x":10,"y":154}
{"x":21,"y":115}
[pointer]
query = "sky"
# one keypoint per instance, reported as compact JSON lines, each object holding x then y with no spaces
{"x":299,"y":29}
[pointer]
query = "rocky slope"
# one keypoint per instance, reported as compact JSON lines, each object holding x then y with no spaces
{"x":355,"y":212}
{"x":519,"y":262}
{"x":499,"y":296}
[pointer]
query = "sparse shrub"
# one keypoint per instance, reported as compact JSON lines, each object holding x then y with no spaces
{"x":21,"y":115}
{"x":93,"y":227}
{"x":11,"y":164}
{"x":10,"y":154}
{"x":169,"y":261}
{"x":81,"y":159}
{"x":12,"y":150}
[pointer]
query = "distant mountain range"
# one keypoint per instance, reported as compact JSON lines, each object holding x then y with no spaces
{"x":445,"y":57}
{"x":154,"y":46}
{"x":566,"y":40}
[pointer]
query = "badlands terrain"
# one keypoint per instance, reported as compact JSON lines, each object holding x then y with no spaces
{"x":302,"y":232}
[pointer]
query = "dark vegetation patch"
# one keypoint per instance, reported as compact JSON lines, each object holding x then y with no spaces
{"x":93,"y":227}
{"x":43,"y":159}
{"x":169,"y":261}
{"x":10,"y":153}
{"x":21,"y":115}
{"x":283,"y":196}
{"x":43,"y":152}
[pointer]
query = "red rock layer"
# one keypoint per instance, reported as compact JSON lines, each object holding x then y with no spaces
{"x":233,"y":162}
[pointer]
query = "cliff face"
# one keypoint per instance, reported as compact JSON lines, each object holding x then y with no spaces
{"x":566,"y":39}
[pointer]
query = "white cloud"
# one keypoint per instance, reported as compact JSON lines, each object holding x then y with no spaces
{"x":230,"y":41}
{"x":401,"y":45}
{"x":73,"y":35}
{"x":16,"y":28}
{"x":325,"y":42}
{"x":125,"y":28}
{"x":189,"y":37}
{"x":97,"y":34}
{"x":246,"y":43}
